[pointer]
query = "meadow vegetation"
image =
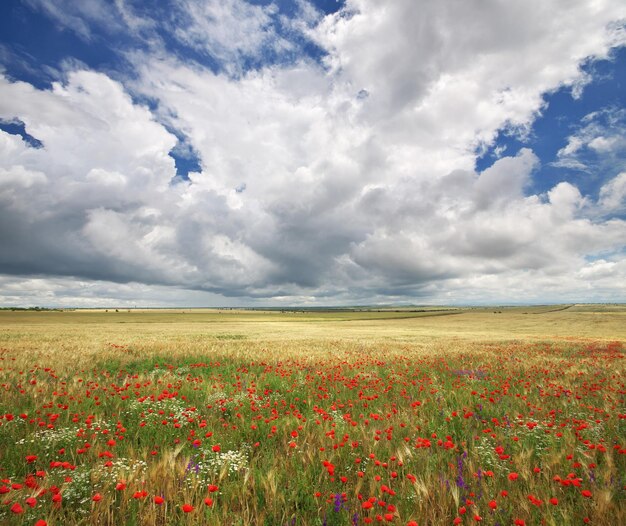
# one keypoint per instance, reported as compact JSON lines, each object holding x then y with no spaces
{"x":501,"y":416}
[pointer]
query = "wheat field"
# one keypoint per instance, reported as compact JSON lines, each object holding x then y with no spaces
{"x":428,"y":416}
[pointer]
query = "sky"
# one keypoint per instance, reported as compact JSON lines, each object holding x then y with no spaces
{"x":311,"y":153}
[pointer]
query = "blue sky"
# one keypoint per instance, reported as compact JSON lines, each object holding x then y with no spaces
{"x":562,"y":117}
{"x":196,"y":152}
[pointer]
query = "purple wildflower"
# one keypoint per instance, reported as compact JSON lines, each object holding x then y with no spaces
{"x":338,"y":502}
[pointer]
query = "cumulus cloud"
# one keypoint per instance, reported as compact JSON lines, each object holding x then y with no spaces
{"x":613,"y":194}
{"x":451,"y":73}
{"x":350,"y":179}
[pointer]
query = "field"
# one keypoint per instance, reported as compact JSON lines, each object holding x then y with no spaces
{"x":499,"y":416}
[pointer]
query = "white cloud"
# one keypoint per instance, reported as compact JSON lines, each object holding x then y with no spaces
{"x":598,"y":144}
{"x":348,"y":181}
{"x":506,"y":179}
{"x":613,"y":194}
{"x":451,"y":73}
{"x":72,"y":292}
{"x":231,"y":35}
{"x":227,"y":29}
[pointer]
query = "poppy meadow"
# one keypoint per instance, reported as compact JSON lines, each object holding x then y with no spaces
{"x":409,"y":417}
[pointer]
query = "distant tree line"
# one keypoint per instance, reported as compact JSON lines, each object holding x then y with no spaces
{"x":30,"y":308}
